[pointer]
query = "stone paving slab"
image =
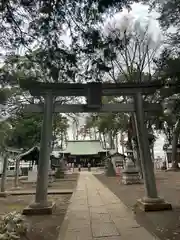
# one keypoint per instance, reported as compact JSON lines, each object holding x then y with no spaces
{"x":99,"y":210}
{"x":109,"y":238}
{"x":104,"y":229}
{"x":95,"y":213}
{"x":102,"y":217}
{"x":78,"y":235}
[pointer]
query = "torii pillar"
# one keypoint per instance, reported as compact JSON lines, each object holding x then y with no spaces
{"x":41,"y":204}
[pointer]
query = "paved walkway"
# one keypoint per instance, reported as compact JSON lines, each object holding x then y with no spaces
{"x":95,"y":213}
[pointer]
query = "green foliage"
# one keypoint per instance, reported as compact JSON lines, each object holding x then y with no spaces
{"x":167,"y":70}
{"x":109,"y":122}
{"x":46,"y":17}
{"x":169,"y":13}
{"x":42,"y":24}
{"x":60,"y":127}
{"x":4,"y":95}
{"x":167,"y":66}
{"x":5,"y":134}
{"x":13,"y":226}
{"x":26,"y":129}
{"x":151,"y":139}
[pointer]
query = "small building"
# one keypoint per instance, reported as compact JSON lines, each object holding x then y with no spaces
{"x":31,"y":157}
{"x":116,"y":158}
{"x":12,"y":154}
{"x":168,"y":151}
{"x":84,"y":152}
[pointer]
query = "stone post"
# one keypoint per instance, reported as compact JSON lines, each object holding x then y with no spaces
{"x":151,"y":201}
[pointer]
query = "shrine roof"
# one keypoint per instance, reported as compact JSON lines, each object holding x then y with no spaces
{"x":84,"y":147}
{"x":31,"y":154}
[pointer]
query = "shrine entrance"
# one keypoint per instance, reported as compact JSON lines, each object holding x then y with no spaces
{"x":93,"y":93}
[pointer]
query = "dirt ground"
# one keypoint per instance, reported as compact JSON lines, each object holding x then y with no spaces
{"x":42,"y":227}
{"x":166,"y":224}
{"x":66,"y":183}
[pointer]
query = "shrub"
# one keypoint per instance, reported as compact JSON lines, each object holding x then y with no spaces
{"x":12,"y":226}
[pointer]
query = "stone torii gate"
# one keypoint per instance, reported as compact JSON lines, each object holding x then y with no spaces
{"x":93,"y":93}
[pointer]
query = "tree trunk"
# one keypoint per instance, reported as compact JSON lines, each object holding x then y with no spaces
{"x":104,"y":140}
{"x":90,"y":134}
{"x":53,"y":133}
{"x":4,"y":173}
{"x":116,"y":139}
{"x":16,"y":179}
{"x":130,"y":132}
{"x":111,"y":141}
{"x":61,"y":137}
{"x":100,"y":139}
{"x":136,"y":148}
{"x":77,"y":130}
{"x":152,"y":152}
{"x":139,"y":164}
{"x":122,"y":143}
{"x":174,"y":158}
{"x":95,"y":136}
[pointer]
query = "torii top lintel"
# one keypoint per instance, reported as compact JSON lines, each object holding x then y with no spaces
{"x":81,"y":89}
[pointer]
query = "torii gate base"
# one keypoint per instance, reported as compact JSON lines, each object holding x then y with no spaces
{"x":151,"y":201}
{"x":153,"y":204}
{"x":38,"y":209}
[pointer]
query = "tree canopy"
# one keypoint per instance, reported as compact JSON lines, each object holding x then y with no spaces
{"x":68,"y":41}
{"x":26,"y":129}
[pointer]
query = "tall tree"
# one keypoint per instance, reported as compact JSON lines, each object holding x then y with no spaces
{"x":131,"y":47}
{"x":46,"y":25}
{"x":167,"y":70}
{"x":129,"y":54}
{"x":169,"y":19}
{"x":107,"y":125}
{"x":5,"y":133}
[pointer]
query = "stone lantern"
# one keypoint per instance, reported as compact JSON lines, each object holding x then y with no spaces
{"x":130,"y":174}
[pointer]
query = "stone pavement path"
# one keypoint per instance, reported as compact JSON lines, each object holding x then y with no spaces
{"x":95,"y":213}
